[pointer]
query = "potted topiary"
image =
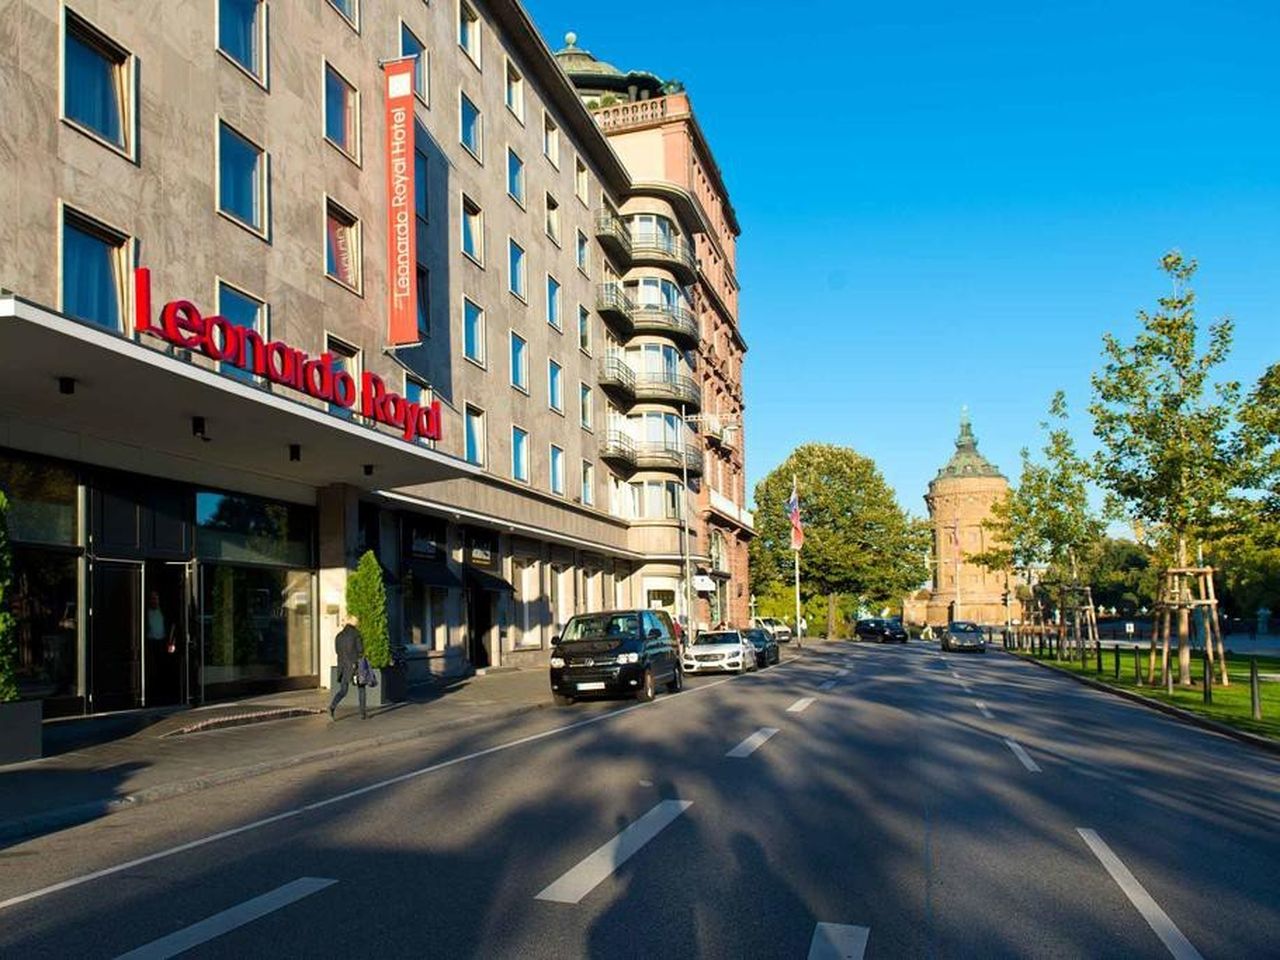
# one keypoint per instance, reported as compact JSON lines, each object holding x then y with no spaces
{"x":20,"y":720}
{"x":367,"y":601}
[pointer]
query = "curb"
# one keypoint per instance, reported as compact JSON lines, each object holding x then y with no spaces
{"x":22,"y":828}
{"x":1186,"y":716}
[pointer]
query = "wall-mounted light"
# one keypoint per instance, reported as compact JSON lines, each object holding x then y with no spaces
{"x":67,"y":385}
{"x":368,"y":469}
{"x":295,"y":452}
{"x":198,"y":429}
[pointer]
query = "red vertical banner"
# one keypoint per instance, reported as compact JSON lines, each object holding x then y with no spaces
{"x":402,"y":239}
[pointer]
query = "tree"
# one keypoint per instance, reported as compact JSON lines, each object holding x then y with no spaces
{"x":1122,"y":575}
{"x":1169,"y":447}
{"x":367,"y":601}
{"x":8,"y":635}
{"x":858,"y":541}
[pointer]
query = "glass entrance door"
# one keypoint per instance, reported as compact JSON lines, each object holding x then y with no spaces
{"x":167,"y":634}
{"x":115,"y":639}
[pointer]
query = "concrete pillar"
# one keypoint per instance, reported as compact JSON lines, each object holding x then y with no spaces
{"x":337,"y":509}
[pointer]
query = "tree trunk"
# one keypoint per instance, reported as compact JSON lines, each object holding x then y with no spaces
{"x":831,"y":616}
{"x":1184,"y":620}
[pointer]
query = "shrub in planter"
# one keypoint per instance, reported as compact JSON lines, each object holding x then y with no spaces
{"x":367,"y":601}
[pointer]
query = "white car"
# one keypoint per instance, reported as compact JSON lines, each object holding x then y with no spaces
{"x":718,"y":650}
{"x":774,"y":627}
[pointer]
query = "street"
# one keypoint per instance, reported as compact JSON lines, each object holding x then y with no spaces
{"x":921,"y":804}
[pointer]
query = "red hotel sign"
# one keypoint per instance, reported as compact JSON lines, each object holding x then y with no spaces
{"x":182,"y":325}
{"x":402,"y":228}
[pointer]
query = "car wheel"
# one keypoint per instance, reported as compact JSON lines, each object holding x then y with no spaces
{"x":561,"y":700}
{"x":676,"y":684}
{"x":647,"y":691}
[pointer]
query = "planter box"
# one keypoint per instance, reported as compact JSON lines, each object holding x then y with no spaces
{"x":21,"y":731}
{"x":393,"y":687}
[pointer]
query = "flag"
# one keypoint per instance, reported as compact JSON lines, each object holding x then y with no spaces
{"x":793,"y":513}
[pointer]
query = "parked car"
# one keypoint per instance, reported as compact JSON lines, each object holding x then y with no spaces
{"x":717,"y":650}
{"x":616,"y":652}
{"x":767,"y":651}
{"x":776,"y":628}
{"x":868,"y":628}
{"x":964,"y":635}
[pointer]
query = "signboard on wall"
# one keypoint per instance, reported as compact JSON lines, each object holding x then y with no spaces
{"x":482,"y":548}
{"x":402,"y":254}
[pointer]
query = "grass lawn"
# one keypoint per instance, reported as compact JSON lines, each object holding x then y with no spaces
{"x":1230,"y":704}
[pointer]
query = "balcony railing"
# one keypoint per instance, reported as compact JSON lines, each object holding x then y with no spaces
{"x":616,"y":374}
{"x":663,"y":319}
{"x":659,"y":455}
{"x":726,"y":507}
{"x":627,"y":114}
{"x":614,"y":235}
{"x":669,"y":388}
{"x":672,"y":252}
{"x":619,"y":447}
{"x":613,"y":303}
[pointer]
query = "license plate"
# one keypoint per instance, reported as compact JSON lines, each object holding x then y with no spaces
{"x":595,"y":685}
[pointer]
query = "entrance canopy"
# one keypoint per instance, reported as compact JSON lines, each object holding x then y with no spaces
{"x":132,"y":407}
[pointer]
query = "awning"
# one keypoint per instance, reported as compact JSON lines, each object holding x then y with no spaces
{"x":479,"y":579}
{"x":433,"y":573}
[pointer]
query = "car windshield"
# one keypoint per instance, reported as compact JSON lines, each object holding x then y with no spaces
{"x":873,"y":624}
{"x":758,"y":637}
{"x":602,"y":626}
{"x":705,"y":639}
{"x":963,"y":627}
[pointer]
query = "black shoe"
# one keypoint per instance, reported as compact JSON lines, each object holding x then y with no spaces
{"x":331,"y":716}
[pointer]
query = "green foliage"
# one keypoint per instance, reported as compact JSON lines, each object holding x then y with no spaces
{"x":1123,"y":575}
{"x":1170,"y":451}
{"x":858,"y":541}
{"x":367,"y":601}
{"x":8,"y":634}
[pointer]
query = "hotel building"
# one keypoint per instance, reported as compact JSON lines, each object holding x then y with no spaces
{"x":281,"y":283}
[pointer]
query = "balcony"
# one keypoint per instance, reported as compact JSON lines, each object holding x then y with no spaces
{"x":725,"y":507}
{"x":651,"y":249}
{"x":616,"y":376}
{"x":669,"y":388}
{"x":614,"y":236}
{"x":612,"y":303}
{"x":618,"y":448}
{"x":659,"y":455}
{"x":672,"y":321}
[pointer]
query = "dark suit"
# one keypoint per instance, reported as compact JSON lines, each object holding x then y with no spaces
{"x":349,"y":646}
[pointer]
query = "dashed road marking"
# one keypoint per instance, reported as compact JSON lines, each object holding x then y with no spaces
{"x":982,"y":708}
{"x":827,"y":685}
{"x":800,"y":705}
{"x":1022,"y":755}
{"x":752,"y":743}
{"x":837,"y":941}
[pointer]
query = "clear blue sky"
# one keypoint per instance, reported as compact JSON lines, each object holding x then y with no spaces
{"x":947,"y":204}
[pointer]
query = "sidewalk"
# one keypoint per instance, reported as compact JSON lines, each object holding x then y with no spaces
{"x":159,"y":762}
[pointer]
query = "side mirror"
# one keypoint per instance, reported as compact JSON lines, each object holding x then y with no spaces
{"x":655,"y":634}
{"x":555,"y":641}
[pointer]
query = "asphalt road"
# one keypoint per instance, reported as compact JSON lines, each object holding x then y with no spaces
{"x":925,"y":806}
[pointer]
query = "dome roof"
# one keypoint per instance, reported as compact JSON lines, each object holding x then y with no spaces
{"x":967,"y":461}
{"x":588,"y":73}
{"x":577,"y":62}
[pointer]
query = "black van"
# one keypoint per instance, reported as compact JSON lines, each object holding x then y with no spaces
{"x":615,"y":652}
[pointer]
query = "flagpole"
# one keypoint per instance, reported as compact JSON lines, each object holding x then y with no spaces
{"x":795,"y":555}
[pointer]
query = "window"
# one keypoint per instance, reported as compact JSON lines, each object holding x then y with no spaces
{"x":515,"y":92}
{"x":244,"y":311}
{"x":93,"y":271}
{"x":515,"y":268}
{"x":420,"y":184}
{"x":472,"y":229}
{"x":473,"y":429}
{"x":469,"y":32}
{"x":472,"y":331}
{"x":557,"y":470}
{"x":655,"y":500}
{"x":553,"y":302}
{"x":346,"y":358}
{"x":519,"y":362}
{"x":584,"y":329}
{"x":550,"y":140}
{"x":341,"y":113}
{"x":588,"y":482}
{"x":240,"y":33}
{"x":424,"y":301}
{"x":98,"y":84}
{"x":470,"y":126}
{"x":580,"y":180}
{"x":584,"y":405}
{"x":348,"y":9}
{"x":416,"y":391}
{"x":553,"y":219}
{"x":342,"y":246}
{"x":242,"y":176}
{"x":520,"y":454}
{"x":555,"y":389}
{"x":515,"y":177}
{"x":411,"y":46}
{"x":582,"y":251}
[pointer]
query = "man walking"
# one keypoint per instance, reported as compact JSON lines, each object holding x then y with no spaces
{"x":349,"y":646}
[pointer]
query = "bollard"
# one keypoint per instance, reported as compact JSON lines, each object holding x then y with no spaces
{"x":1168,"y":679}
{"x":1137,"y":666}
{"x":1115,"y":649}
{"x":1099,"y":648}
{"x":1208,"y":676}
{"x":1255,"y":694}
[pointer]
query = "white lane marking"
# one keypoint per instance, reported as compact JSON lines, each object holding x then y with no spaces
{"x":836,"y":941}
{"x":842,"y":671}
{"x":1177,"y":944}
{"x":827,"y":685}
{"x":982,"y":708}
{"x":597,"y":867}
{"x":956,"y":675}
{"x":228,"y":920}
{"x":1022,"y":755}
{"x":350,"y":794}
{"x":752,"y":743}
{"x":800,"y":705}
